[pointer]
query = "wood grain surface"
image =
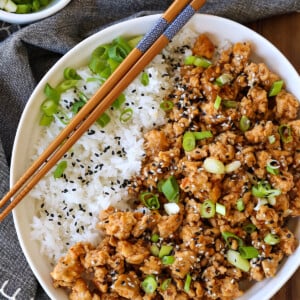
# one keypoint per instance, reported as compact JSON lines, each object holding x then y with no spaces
{"x":284,"y":32}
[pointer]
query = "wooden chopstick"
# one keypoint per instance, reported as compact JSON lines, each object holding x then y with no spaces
{"x":136,"y":61}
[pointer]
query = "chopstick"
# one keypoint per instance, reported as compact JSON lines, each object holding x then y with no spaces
{"x":164,"y":30}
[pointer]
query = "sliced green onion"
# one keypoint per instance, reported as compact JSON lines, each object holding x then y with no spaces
{"x":70,"y":73}
{"x":208,"y":209}
{"x":240,"y":206}
{"x":217,"y":103}
{"x":229,"y":236}
{"x":275,"y":88}
{"x":154,"y":250}
{"x":66,"y":85}
{"x":46,"y":120}
{"x":23,"y":8}
{"x":213,"y":165}
{"x":201,"y":135}
{"x":160,"y":184}
{"x":263,"y":190}
{"x":145,"y":79}
{"x":285,"y":133}
{"x":83,"y":97}
{"x":121,"y":42}
{"x":229,"y":104}
{"x":165,"y":250}
{"x":165,"y":284}
{"x":189,"y":141}
{"x":224,"y":79}
{"x":249,"y":228}
{"x":133,"y":42}
{"x":60,"y":168}
{"x":244,"y":123}
{"x":51,"y":93}
{"x":154,"y":238}
{"x":77,"y":106}
{"x":248,"y":252}
{"x":233,"y":166}
{"x":112,"y":64}
{"x":170,"y":189}
{"x":187,"y":283}
{"x":150,"y":200}
{"x":149,"y":284}
{"x":271,"y":139}
{"x":220,"y":209}
{"x":119,"y":101}
{"x":103,"y":120}
{"x":171,"y":208}
{"x":49,"y":107}
{"x":202,"y":62}
{"x":126,"y":115}
{"x":273,"y":166}
{"x":168,"y":260}
{"x":166,"y":105}
{"x":271,"y":239}
{"x":197,"y":61}
{"x":235,"y":258}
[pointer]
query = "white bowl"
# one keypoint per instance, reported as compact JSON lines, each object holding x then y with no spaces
{"x":53,"y":7}
{"x":220,"y":29}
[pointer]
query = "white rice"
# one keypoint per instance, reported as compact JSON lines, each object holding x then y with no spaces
{"x":103,"y":160}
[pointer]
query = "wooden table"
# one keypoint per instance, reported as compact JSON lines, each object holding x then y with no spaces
{"x":284,"y":33}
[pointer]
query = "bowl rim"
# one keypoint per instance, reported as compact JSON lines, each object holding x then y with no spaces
{"x":47,"y":11}
{"x":293,"y":261}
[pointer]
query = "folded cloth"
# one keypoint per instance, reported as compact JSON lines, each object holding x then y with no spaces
{"x":27,"y":53}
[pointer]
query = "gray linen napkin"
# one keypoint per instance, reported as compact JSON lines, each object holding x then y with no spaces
{"x":27,"y":52}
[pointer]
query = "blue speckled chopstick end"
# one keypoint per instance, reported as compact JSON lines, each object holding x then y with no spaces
{"x":152,"y":35}
{"x":179,"y":22}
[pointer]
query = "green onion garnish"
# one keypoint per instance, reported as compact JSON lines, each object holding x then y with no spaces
{"x":165,"y":250}
{"x":263,"y":190}
{"x":235,"y":258}
{"x":154,"y":250}
{"x":77,"y":106}
{"x":249,"y":228}
{"x":166,"y":105}
{"x":154,"y":238}
{"x":126,"y":115}
{"x":149,"y":284}
{"x":70,"y":73}
{"x":189,"y":141}
{"x":224,"y":79}
{"x":285,"y":133}
{"x":51,"y":93}
{"x":273,"y":166}
{"x":60,"y":168}
{"x":240,"y":206}
{"x":134,"y":41}
{"x":213,"y":165}
{"x":208,"y":209}
{"x":229,"y":236}
{"x":144,"y":79}
{"x":165,"y":284}
{"x":103,"y":120}
{"x":187,"y":283}
{"x":46,"y":120}
{"x":168,"y":260}
{"x":272,"y":139}
{"x":248,"y":252}
{"x":197,"y":61}
{"x":220,"y":209}
{"x":170,"y":189}
{"x":150,"y":200}
{"x":201,"y":135}
{"x":275,"y":88}
{"x":271,"y":239}
{"x":244,"y":123}
{"x":229,"y":104}
{"x":119,"y":101}
{"x":49,"y":107}
{"x":217,"y":103}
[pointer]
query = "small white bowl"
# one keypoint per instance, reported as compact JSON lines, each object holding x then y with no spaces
{"x":220,"y":30}
{"x":53,"y":7}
